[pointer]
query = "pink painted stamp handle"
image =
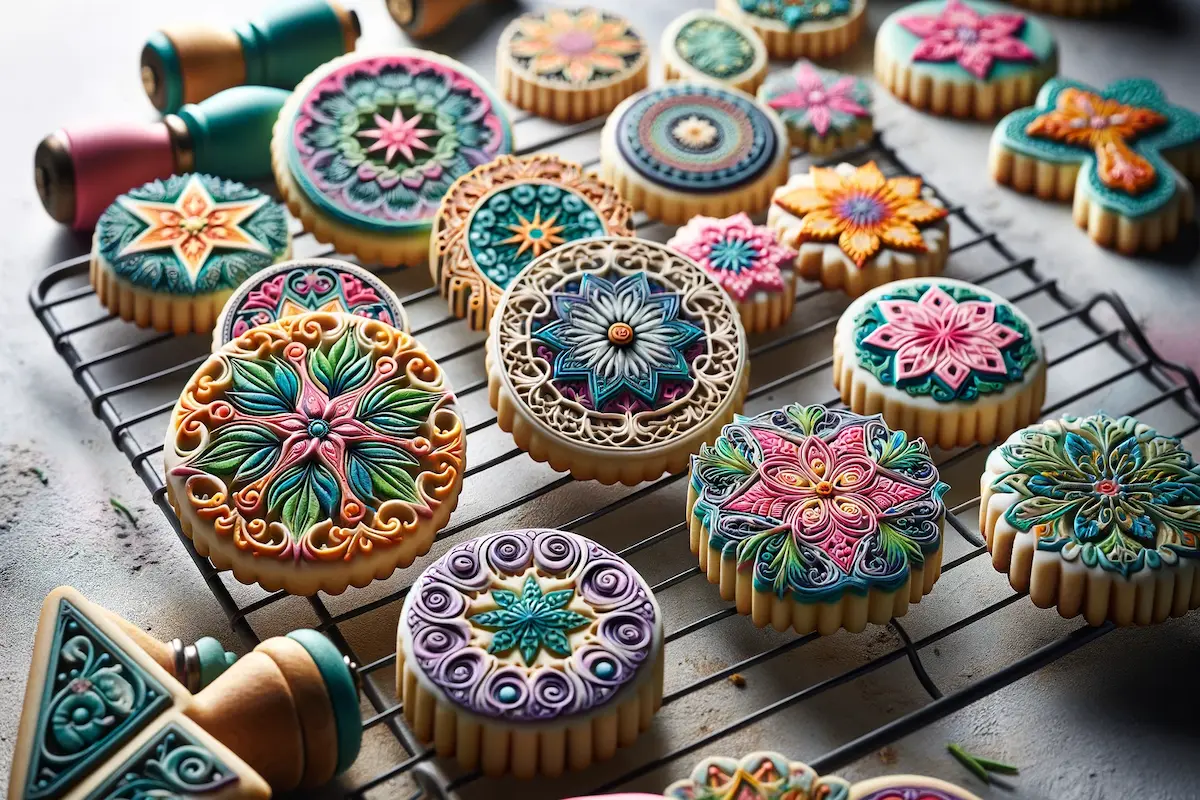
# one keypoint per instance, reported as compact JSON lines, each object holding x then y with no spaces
{"x":111,"y":160}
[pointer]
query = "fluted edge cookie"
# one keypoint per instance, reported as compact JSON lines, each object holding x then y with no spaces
{"x":1074,"y":8}
{"x":704,"y":45}
{"x":825,"y":111}
{"x":821,"y":29}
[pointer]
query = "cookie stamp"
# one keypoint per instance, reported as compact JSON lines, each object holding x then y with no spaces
{"x":805,"y":29}
{"x":824,"y":111}
{"x":703,"y":45}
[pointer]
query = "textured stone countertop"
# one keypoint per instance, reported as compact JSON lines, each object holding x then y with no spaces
{"x":1101,"y":723}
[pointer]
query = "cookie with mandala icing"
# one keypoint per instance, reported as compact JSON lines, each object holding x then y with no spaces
{"x":168,"y":254}
{"x":502,"y":215}
{"x":854,"y":229}
{"x":367,"y":146}
{"x":817,"y":519}
{"x":953,"y":363}
{"x":615,"y":359}
{"x":529,"y":652}
{"x":964,"y":58}
{"x":690,"y":148}
{"x":1122,"y":154}
{"x":749,"y":264}
{"x":317,"y":452}
{"x":1096,"y":516}
{"x":571,"y":64}
{"x":825,"y":111}
{"x":794,"y":29}
{"x":303,"y":286}
{"x":702,"y":45}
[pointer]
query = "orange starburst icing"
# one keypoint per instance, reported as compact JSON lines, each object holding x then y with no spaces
{"x":536,"y":235}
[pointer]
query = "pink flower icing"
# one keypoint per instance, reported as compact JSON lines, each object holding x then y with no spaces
{"x":742,"y":257}
{"x":819,"y":101}
{"x":940,"y":336}
{"x":975,"y":40}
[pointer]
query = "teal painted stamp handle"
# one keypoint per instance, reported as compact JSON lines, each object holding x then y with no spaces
{"x":231,"y":131}
{"x":290,"y":40}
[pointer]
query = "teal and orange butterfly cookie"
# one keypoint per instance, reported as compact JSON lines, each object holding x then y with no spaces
{"x":1123,"y":154}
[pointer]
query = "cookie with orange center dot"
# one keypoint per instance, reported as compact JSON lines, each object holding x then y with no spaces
{"x":570,"y":64}
{"x":502,"y":215}
{"x":855,"y":229}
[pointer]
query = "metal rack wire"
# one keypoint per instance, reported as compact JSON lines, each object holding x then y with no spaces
{"x":117,"y":368}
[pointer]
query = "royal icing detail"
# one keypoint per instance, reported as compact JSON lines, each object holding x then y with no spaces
{"x":315,"y":438}
{"x":975,"y":40}
{"x":911,"y":788}
{"x":757,"y":776}
{"x":697,"y":138}
{"x":809,"y":98}
{"x":744,"y":258}
{"x":576,"y":47}
{"x":376,"y":141}
{"x":191,"y":234}
{"x":618,"y":343}
{"x":298,"y":287}
{"x":1108,"y":493}
{"x":173,"y":764}
{"x":818,"y":502}
{"x":794,"y":13}
{"x":530,"y":625}
{"x":862,"y":210}
{"x":950,"y":342}
{"x":715,"y":47}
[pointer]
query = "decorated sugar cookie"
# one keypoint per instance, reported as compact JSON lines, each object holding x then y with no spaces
{"x":529,"y":651}
{"x":1121,"y":153}
{"x":855,"y":229}
{"x":964,"y":58}
{"x":907,"y":787}
{"x":824,"y":111}
{"x":301,"y":286}
{"x":615,"y":359}
{"x":315,"y":453}
{"x":702,"y":45}
{"x":817,"y":519}
{"x":167,"y":254}
{"x":749,"y":264}
{"x":1074,"y":8}
{"x":1096,"y":516}
{"x":368,"y":145}
{"x":570,"y":64}
{"x":502,"y":215}
{"x":941,"y":359}
{"x":801,"y":28}
{"x":694,"y":148}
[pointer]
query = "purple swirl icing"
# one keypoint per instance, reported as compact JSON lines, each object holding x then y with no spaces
{"x":452,"y":652}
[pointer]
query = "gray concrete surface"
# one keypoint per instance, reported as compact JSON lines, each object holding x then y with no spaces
{"x":1109,"y":721}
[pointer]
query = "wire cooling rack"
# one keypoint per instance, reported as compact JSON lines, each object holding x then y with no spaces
{"x":1098,"y":358}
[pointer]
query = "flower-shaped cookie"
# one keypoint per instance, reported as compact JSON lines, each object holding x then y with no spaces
{"x":824,"y":110}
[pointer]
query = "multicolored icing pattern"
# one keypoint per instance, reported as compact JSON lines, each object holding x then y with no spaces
{"x":862,"y":210}
{"x":1118,"y":136}
{"x":714,"y":47}
{"x":530,"y":625}
{"x":95,"y":699}
{"x":618,"y":343}
{"x":744,"y":258}
{"x":576,"y":47}
{"x":794,"y":13}
{"x":303,"y":286}
{"x":916,"y":791}
{"x":1109,"y":493}
{"x":191,"y":234}
{"x":173,"y":764}
{"x":974,"y":40}
{"x":947,"y":341}
{"x":697,"y":138}
{"x":822,"y":101}
{"x":819,"y":502}
{"x":757,"y":776}
{"x":376,"y":141}
{"x":315,"y":438}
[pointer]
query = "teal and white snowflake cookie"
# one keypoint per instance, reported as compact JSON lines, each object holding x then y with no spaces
{"x":703,"y":45}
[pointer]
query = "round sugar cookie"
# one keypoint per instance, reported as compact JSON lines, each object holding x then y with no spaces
{"x":694,"y":148}
{"x":854,"y":229}
{"x":615,"y":359}
{"x":1098,"y":516}
{"x":748,"y":263}
{"x":367,"y":146}
{"x":809,"y":28}
{"x":314,"y":453}
{"x":817,"y":519}
{"x":169,"y":253}
{"x":503,"y":214}
{"x":303,"y":286}
{"x":953,"y":363}
{"x":529,"y":652}
{"x":824,"y":111}
{"x":570,"y":64}
{"x":701,"y":45}
{"x":964,"y":58}
{"x":1074,"y":8}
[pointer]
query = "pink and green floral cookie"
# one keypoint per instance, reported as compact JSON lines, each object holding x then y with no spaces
{"x":824,"y":111}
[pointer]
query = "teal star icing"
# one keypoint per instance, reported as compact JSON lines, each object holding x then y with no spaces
{"x":532,"y":621}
